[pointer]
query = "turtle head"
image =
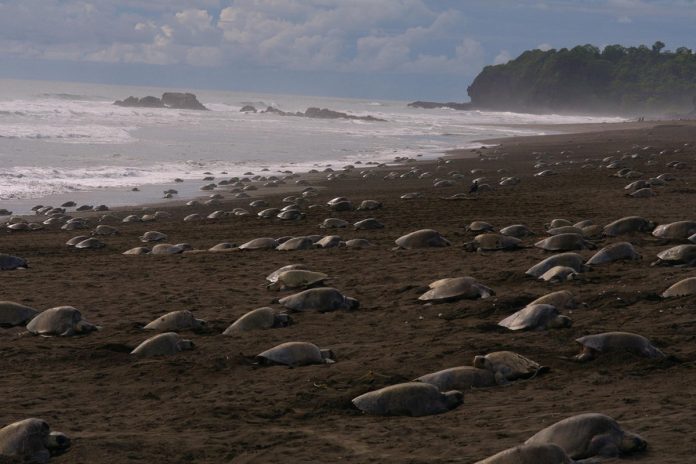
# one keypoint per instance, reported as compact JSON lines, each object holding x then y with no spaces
{"x":632,"y":443}
{"x":282,"y":320}
{"x":57,"y":443}
{"x":480,"y":362}
{"x":327,"y":356}
{"x":186,"y":345}
{"x":453,"y":398}
{"x":561,"y":322}
{"x":352,"y":303}
{"x":83,"y":327}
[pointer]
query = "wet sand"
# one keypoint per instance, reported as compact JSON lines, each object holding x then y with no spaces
{"x":213,"y":405}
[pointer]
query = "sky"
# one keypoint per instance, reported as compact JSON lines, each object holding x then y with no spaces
{"x":389,"y":49}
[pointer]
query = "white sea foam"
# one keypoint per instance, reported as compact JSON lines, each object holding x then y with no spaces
{"x":59,"y":137}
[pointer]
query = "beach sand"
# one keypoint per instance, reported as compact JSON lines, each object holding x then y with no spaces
{"x":212,"y":405}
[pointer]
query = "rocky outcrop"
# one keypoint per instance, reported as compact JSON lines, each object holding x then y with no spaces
{"x":433,"y":105}
{"x":145,"y":102}
{"x":183,"y":101}
{"x":175,"y":100}
{"x":322,"y":113}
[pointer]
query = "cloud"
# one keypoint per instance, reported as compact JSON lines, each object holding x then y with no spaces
{"x":502,"y":57}
{"x":624,"y":20}
{"x":415,"y":36}
{"x":544,"y":47}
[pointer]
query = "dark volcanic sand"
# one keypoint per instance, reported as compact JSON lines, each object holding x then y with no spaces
{"x":212,"y":405}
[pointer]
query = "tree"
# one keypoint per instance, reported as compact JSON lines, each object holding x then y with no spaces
{"x":657,"y":46}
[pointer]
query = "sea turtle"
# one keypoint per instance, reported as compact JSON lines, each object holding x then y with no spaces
{"x":164,"y":344}
{"x":19,"y":227}
{"x":137,"y":251}
{"x":408,"y":399}
{"x":260,"y":318}
{"x":268,"y":213}
{"x":259,"y":204}
{"x":336,"y":200}
{"x":13,"y":314}
{"x":637,"y":185}
{"x":536,"y":317}
{"x":103,"y":229}
{"x":334,"y":223}
{"x":75,"y":225}
{"x":223,"y":247}
{"x":175,"y":321}
{"x":167,"y":249}
{"x":455,"y":288}
{"x":369,"y":205}
{"x":493,"y":242}
{"x":459,"y":378}
{"x":479,"y":226}
{"x":297,"y":278}
{"x":593,"y":345}
{"x":680,"y":255}
{"x":10,"y":263}
{"x":319,"y":299}
{"x":368,"y":224}
{"x":531,"y":454}
{"x":642,"y":193}
{"x":562,"y":299}
{"x":588,"y":435}
{"x":558,"y":223}
{"x":329,"y":241}
{"x":683,"y":287}
{"x":614,"y":252}
{"x":90,"y":244}
{"x":131,"y":218}
{"x":565,"y":242}
{"x":153,"y":236}
{"x":558,"y":274}
{"x":263,"y":243}
{"x":217,"y":214}
{"x":296,"y":243}
{"x":358,"y":243}
{"x":62,"y":321}
{"x":573,"y":260}
{"x":680,"y":230}
{"x":628,"y":225}
{"x":195,"y":217}
{"x":517,"y":231}
{"x":290,"y":215}
{"x":75,"y":240}
{"x":508,"y":366}
{"x":273,"y":276}
{"x":295,"y":354}
{"x":31,"y":440}
{"x":423,"y":238}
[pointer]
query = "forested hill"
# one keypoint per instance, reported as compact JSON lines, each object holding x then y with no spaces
{"x":617,"y":79}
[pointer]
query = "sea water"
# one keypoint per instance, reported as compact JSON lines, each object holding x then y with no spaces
{"x":61,"y":141}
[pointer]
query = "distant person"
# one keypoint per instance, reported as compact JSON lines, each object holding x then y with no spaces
{"x":474,"y":187}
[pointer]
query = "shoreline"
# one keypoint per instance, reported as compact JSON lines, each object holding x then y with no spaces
{"x":189,"y":189}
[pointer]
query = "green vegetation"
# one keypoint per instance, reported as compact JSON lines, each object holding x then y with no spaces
{"x":635,"y":80}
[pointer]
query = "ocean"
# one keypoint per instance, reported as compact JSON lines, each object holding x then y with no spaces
{"x":64,"y":141}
